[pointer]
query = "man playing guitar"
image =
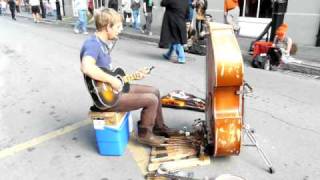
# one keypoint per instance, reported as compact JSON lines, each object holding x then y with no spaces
{"x":95,"y":54}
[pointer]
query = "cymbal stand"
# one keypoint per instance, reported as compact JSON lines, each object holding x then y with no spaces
{"x":249,"y":132}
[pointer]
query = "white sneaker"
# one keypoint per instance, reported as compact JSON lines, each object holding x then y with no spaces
{"x":76,"y":31}
{"x":150,"y":33}
{"x":85,"y":33}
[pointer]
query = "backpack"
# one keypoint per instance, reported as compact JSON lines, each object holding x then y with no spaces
{"x":197,"y":49}
{"x":261,"y":61}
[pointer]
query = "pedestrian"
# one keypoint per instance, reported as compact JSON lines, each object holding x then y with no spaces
{"x":113,"y":4}
{"x":127,"y":14}
{"x":12,"y":7}
{"x":173,"y":30}
{"x":95,"y":53}
{"x":3,"y":7}
{"x":192,"y":5}
{"x":148,"y":5}
{"x":135,"y":6}
{"x":231,"y":14}
{"x":35,"y":9}
{"x":91,"y":11}
{"x":81,"y":24}
{"x":18,"y":3}
{"x":282,"y":44}
{"x":201,"y":7}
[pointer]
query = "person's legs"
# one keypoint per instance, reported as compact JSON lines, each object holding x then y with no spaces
{"x":147,"y":98}
{"x":12,"y":10}
{"x":169,"y":53}
{"x":198,"y":27}
{"x":180,"y":53}
{"x":78,"y":24}
{"x":83,"y":20}
{"x":232,"y":18}
{"x":148,"y":23}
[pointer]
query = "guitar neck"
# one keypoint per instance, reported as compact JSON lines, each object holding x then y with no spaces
{"x":131,"y":77}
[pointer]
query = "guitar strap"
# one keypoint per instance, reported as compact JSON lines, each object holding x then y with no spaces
{"x":106,"y":47}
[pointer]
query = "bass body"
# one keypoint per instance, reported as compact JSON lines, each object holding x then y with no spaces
{"x":224,"y":108}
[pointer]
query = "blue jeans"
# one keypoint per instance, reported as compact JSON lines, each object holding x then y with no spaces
{"x":81,"y":23}
{"x":190,"y":15}
{"x":178,"y":48}
{"x":136,"y":18}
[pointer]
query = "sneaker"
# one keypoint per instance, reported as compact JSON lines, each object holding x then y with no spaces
{"x":178,"y":62}
{"x":76,"y":31}
{"x":85,"y":33}
{"x":165,"y":56}
{"x":150,"y":33}
{"x":141,"y":30}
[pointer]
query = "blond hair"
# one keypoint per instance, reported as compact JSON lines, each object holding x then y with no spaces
{"x":106,"y":17}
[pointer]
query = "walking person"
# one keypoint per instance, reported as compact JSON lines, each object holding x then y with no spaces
{"x":173,"y":30}
{"x":95,"y":54}
{"x":18,"y":3}
{"x":201,"y":7}
{"x":231,"y":13}
{"x":127,"y":14}
{"x":3,"y":7}
{"x":12,"y":7}
{"x":113,"y":4}
{"x":35,"y":9}
{"x":81,"y":24}
{"x":192,"y":5}
{"x":147,"y":10}
{"x":135,"y":6}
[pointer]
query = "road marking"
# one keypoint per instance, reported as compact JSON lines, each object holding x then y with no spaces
{"x":139,"y":152}
{"x":41,"y":139}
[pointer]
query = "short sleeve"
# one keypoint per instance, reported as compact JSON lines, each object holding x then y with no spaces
{"x":90,"y":49}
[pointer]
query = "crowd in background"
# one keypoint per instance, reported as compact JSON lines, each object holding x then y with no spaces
{"x":39,"y":8}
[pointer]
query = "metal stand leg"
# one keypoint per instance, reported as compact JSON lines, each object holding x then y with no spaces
{"x":250,"y":134}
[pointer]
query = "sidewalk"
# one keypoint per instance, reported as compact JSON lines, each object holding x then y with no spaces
{"x":309,"y":55}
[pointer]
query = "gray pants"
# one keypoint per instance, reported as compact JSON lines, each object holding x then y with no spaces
{"x":232,"y":18}
{"x":147,"y":26}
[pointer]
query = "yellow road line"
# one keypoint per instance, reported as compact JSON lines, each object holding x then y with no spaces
{"x":139,"y":152}
{"x":46,"y":137}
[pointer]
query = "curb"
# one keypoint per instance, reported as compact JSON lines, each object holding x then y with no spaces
{"x":295,"y":67}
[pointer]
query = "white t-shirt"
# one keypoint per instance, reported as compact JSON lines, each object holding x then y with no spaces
{"x":126,"y":6}
{"x":34,"y":2}
{"x":81,"y":4}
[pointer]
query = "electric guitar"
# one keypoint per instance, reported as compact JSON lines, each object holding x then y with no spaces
{"x":102,"y":93}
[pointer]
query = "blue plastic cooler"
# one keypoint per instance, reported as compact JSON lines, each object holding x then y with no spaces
{"x":113,"y":141}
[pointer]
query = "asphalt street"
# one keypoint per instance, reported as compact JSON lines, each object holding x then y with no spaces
{"x":45,"y":134}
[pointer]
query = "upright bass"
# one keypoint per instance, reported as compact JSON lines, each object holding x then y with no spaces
{"x":224,"y":76}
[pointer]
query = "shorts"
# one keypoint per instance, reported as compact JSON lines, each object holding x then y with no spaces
{"x":35,"y":9}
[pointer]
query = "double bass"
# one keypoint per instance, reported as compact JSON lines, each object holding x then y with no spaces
{"x":224,"y":76}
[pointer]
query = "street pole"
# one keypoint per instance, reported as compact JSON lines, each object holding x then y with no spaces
{"x":318,"y":37}
{"x":279,"y":9}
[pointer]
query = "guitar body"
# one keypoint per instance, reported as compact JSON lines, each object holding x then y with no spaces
{"x":103,"y":95}
{"x":224,"y":84}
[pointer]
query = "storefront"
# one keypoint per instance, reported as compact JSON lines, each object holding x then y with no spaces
{"x":303,"y":18}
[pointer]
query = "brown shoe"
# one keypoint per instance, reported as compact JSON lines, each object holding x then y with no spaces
{"x":165,"y":131}
{"x":145,"y":136}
